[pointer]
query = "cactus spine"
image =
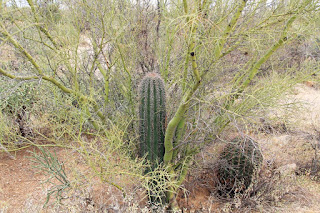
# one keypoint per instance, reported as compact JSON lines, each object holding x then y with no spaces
{"x":152,"y":112}
{"x":238,"y":162}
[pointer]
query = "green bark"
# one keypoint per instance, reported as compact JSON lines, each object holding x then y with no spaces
{"x":252,"y":72}
{"x":230,"y":27}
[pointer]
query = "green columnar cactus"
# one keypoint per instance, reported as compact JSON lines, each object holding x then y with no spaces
{"x":152,"y":112}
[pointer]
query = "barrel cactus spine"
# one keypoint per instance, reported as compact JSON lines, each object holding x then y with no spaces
{"x":152,"y":113}
{"x":237,"y":165}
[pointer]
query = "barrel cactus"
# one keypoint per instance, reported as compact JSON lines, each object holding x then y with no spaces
{"x":152,"y":113}
{"x":238,"y":162}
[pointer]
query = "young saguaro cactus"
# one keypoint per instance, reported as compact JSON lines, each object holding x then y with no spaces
{"x":152,"y":112}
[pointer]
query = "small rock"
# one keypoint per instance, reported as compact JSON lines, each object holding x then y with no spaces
{"x":309,"y":83}
{"x":282,"y":140}
{"x":288,"y":169}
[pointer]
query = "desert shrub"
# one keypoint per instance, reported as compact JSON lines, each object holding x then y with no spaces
{"x":15,"y":97}
{"x":16,"y":103}
{"x":50,"y":10}
{"x":8,"y":132}
{"x":49,"y":164}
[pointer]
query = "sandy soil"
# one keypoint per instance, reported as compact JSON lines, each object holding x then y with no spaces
{"x":20,"y":185}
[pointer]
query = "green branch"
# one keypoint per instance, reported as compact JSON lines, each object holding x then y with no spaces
{"x":102,"y":70}
{"x":17,"y":77}
{"x":42,"y":29}
{"x":252,"y":72}
{"x":61,"y":87}
{"x":174,"y":122}
{"x":20,"y":48}
{"x":183,"y":107}
{"x":228,"y":30}
{"x":42,"y":76}
{"x":255,"y":68}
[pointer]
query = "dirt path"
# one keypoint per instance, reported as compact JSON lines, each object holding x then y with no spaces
{"x":20,"y":185}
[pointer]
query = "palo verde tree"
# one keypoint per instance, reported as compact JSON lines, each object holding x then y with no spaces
{"x":213,"y":31}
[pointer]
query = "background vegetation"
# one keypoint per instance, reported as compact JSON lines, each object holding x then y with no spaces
{"x":69,"y":75}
